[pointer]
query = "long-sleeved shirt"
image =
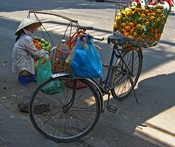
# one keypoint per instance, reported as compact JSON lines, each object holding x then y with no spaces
{"x":23,"y":54}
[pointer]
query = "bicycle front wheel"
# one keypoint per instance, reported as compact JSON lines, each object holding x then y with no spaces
{"x":68,"y":114}
{"x":126,"y":73}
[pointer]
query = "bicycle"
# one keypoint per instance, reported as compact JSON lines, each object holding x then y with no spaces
{"x":74,"y":112}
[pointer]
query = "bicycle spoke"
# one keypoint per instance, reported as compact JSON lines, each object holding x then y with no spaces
{"x":72,"y":112}
{"x":128,"y":68}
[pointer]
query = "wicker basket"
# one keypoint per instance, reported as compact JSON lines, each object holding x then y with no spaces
{"x":143,"y":25}
{"x":78,"y":85}
{"x":59,"y":63}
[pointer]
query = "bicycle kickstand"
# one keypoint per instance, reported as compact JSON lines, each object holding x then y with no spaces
{"x":110,"y":108}
{"x":132,"y":84}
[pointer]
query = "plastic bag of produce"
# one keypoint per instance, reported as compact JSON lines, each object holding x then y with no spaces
{"x":43,"y":73}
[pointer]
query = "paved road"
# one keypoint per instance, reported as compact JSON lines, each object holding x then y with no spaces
{"x":153,"y":117}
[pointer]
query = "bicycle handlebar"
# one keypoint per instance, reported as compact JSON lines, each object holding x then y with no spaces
{"x":98,"y":38}
{"x":85,"y":28}
{"x":94,"y":37}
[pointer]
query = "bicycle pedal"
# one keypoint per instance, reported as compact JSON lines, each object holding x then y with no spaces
{"x":111,"y":108}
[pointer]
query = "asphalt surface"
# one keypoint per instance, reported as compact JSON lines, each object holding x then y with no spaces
{"x":150,"y":123}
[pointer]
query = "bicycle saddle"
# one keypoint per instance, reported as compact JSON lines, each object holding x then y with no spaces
{"x":116,"y":39}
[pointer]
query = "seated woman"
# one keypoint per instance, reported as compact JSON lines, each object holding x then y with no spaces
{"x":24,"y":51}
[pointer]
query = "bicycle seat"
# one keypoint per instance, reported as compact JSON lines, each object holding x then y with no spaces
{"x":117,"y":39}
{"x":122,"y":40}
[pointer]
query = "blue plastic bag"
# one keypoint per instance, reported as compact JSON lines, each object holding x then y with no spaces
{"x":86,"y":62}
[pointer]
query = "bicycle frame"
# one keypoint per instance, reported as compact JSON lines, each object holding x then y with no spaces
{"x":116,"y":54}
{"x":106,"y":88}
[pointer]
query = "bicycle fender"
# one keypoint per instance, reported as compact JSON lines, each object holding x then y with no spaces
{"x":60,"y":75}
{"x":100,"y":94}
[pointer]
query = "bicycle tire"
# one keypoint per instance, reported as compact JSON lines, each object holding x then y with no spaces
{"x":134,"y":60}
{"x":72,"y":113}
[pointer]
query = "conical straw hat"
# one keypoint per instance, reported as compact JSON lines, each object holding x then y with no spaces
{"x":26,"y":22}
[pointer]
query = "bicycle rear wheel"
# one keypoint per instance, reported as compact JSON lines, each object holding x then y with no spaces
{"x":126,"y":73}
{"x":71,"y":113}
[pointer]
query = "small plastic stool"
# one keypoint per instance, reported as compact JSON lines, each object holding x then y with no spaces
{"x":24,"y":78}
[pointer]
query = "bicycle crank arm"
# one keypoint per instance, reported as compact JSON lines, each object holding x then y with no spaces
{"x":111,"y":108}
